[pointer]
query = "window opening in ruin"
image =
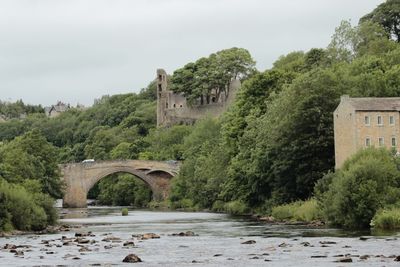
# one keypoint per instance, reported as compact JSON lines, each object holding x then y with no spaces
{"x":213,"y":99}
{"x":166,"y":105}
{"x":160,"y":78}
{"x":180,"y":106}
{"x":174,"y":106}
{"x":159,"y":87}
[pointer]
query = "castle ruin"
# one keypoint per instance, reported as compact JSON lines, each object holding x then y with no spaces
{"x":172,"y":108}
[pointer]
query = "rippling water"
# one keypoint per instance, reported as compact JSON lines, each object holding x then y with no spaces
{"x":218,"y":242}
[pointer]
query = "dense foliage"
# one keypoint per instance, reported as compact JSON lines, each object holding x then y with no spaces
{"x":367,"y":182}
{"x":121,"y":190}
{"x":18,"y":109}
{"x":212,"y":74}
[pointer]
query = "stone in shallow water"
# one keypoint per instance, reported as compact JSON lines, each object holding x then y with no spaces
{"x":9,"y":246}
{"x":132,"y":258}
{"x":346,"y":259}
{"x":248,"y":242}
{"x":129,"y":243}
{"x":327,"y":242}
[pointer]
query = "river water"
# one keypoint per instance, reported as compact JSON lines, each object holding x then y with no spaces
{"x":218,"y":242}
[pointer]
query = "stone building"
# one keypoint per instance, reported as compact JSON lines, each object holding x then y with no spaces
{"x":172,"y":108}
{"x":365,"y":122}
{"x":56,"y":110}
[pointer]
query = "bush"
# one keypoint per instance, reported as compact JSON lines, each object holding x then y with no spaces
{"x":23,"y":210}
{"x":218,"y":206}
{"x":367,"y":182}
{"x":124,"y":212}
{"x":305,"y":211}
{"x":236,"y":207}
{"x":387,"y":219}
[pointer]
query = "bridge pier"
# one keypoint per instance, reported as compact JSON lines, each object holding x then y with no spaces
{"x":80,"y":177}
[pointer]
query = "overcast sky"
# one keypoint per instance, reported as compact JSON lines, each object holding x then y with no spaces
{"x":79,"y":50}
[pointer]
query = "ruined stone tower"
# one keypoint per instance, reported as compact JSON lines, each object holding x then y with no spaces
{"x":162,"y":96}
{"x":172,"y":108}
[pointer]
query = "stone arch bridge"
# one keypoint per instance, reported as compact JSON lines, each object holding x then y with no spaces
{"x":80,"y":177}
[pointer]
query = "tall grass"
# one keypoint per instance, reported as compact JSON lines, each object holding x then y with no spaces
{"x":305,"y":211}
{"x":387,"y":219}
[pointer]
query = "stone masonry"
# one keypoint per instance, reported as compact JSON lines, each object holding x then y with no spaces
{"x":172,"y":107}
{"x":365,"y":122}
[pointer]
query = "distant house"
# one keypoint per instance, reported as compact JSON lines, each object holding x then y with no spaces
{"x":365,"y":122}
{"x":2,"y":118}
{"x":56,"y":110}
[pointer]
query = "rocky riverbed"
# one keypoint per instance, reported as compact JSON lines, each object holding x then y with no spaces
{"x":102,"y":237}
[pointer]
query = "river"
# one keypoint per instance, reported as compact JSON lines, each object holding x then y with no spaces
{"x":218,"y":242}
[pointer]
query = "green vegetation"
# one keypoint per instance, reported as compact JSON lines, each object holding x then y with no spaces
{"x":387,"y":219}
{"x":18,"y":109}
{"x":367,"y":182}
{"x":121,"y":190}
{"x":24,"y":207}
{"x":212,"y":74}
{"x":271,"y":152}
{"x":124,"y":212}
{"x":305,"y":211}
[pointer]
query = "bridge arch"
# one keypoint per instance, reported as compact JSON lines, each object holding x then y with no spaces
{"x":137,"y":173}
{"x":80,"y":177}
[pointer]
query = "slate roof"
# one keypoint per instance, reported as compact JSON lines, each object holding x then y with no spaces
{"x":375,"y":103}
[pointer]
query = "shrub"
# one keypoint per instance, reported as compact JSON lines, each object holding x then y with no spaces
{"x":367,"y":182}
{"x":387,"y":219}
{"x":218,"y":206}
{"x":305,"y":211}
{"x":124,"y":212}
{"x":236,"y":207}
{"x":24,"y":210}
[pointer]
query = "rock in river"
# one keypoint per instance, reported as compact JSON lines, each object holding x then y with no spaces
{"x":346,"y":259}
{"x":132,"y":258}
{"x":248,"y":242}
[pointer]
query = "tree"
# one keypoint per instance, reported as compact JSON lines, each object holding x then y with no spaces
{"x":30,"y":156}
{"x":368,"y":181}
{"x":213,"y":74}
{"x":388,"y":15}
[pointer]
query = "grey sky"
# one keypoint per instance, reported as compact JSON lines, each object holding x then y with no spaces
{"x":79,"y":50}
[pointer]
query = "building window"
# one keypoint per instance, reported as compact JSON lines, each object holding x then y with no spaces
{"x":367,"y":142}
{"x":381,"y":141}
{"x":367,"y":120}
{"x":380,"y":121}
{"x":394,"y":141}
{"x":391,"y":120}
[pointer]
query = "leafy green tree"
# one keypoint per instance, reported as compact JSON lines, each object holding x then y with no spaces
{"x":198,"y":80}
{"x":167,"y":143}
{"x":204,"y":169}
{"x":368,"y":181}
{"x":386,"y":14}
{"x":30,"y":156}
{"x":122,"y":190}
